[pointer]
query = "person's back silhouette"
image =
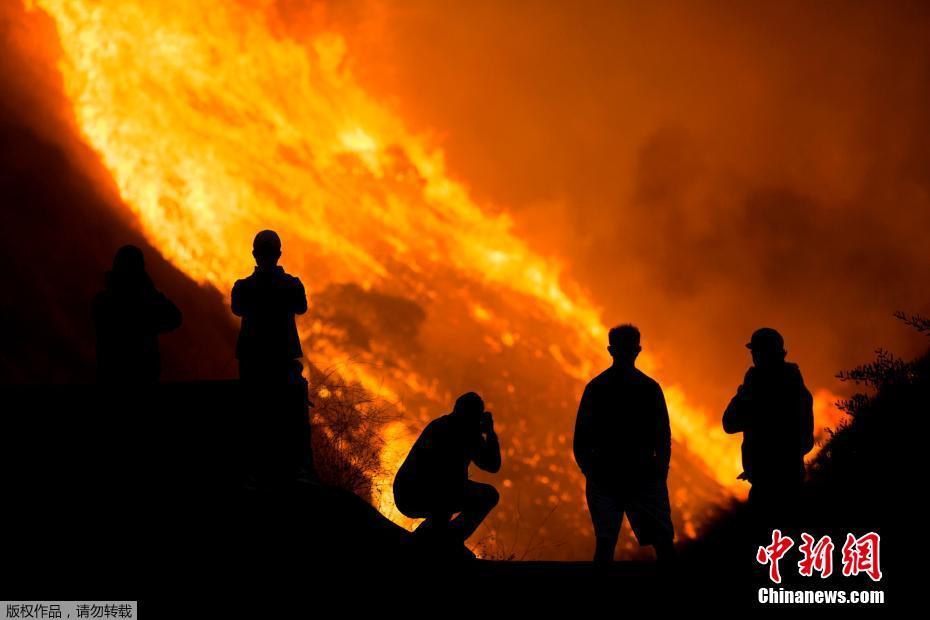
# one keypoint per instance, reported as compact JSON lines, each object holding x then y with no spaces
{"x":774,"y":411}
{"x":129,"y":314}
{"x":622,"y":444}
{"x":268,"y":348}
{"x":433,"y":481}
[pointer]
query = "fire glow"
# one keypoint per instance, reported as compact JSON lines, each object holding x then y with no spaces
{"x":214,"y":125}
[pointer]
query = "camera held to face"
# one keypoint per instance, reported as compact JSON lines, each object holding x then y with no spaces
{"x":487,"y":423}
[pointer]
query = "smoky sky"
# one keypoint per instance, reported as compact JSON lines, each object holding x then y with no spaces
{"x":701,"y":168}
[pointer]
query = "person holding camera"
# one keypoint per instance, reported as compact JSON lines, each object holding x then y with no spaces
{"x":129,"y":315}
{"x":433,"y":483}
{"x":773,"y":409}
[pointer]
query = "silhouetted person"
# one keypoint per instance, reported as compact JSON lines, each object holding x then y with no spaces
{"x":433,"y":481}
{"x":623,"y":446}
{"x":774,"y":411}
{"x":129,"y":314}
{"x":269,"y":352}
{"x":268,"y":348}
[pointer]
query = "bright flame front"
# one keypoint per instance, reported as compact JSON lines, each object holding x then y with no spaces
{"x":214,"y":126}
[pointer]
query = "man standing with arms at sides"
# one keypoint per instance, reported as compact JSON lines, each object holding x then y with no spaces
{"x":268,"y":301}
{"x":773,"y":409}
{"x":269,"y":355}
{"x":623,"y":446}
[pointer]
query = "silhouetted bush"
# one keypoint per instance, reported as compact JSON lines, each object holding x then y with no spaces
{"x":347,"y":441}
{"x":857,"y":476}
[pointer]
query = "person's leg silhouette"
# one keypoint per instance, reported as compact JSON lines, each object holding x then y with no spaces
{"x":478,"y":500}
{"x":607,"y":516}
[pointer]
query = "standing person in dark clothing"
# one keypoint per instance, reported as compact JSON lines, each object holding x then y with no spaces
{"x":269,"y":352}
{"x":129,"y":314}
{"x":774,"y":411}
{"x":623,"y":446}
{"x":268,"y":348}
{"x":433,"y":481}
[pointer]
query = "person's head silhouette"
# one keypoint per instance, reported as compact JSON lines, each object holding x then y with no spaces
{"x":266,"y":248}
{"x":624,"y":344}
{"x":128,"y":272}
{"x":469,"y":407}
{"x":129,"y":261}
{"x":767,"y":347}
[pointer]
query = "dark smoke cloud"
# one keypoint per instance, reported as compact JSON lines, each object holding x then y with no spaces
{"x":703,"y":168}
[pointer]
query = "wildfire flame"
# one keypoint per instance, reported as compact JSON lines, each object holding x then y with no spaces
{"x":214,"y":125}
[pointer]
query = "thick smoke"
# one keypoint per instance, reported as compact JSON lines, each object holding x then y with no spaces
{"x":703,"y":168}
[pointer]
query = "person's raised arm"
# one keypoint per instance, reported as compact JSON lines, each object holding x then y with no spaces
{"x":734,"y":418}
{"x":167,"y":315}
{"x":488,"y":456}
{"x":582,"y":444}
{"x":663,"y":433}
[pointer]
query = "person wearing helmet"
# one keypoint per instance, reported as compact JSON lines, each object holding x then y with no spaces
{"x":433,"y":484}
{"x":268,"y":348}
{"x":773,"y":409}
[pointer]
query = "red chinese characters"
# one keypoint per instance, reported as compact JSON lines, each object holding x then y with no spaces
{"x":773,"y":553}
{"x":817,"y":556}
{"x":861,"y":555}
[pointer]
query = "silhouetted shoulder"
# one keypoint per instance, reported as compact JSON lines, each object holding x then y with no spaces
{"x":439,"y":425}
{"x":602,"y":379}
{"x":613,"y":377}
{"x":431,"y":430}
{"x":641,"y":377}
{"x":243,"y":281}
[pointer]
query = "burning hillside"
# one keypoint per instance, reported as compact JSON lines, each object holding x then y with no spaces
{"x":214,"y":125}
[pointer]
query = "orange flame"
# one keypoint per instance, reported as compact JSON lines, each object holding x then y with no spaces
{"x":213,"y":127}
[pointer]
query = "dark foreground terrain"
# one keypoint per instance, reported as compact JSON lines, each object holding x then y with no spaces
{"x":170,"y":493}
{"x":165,"y":492}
